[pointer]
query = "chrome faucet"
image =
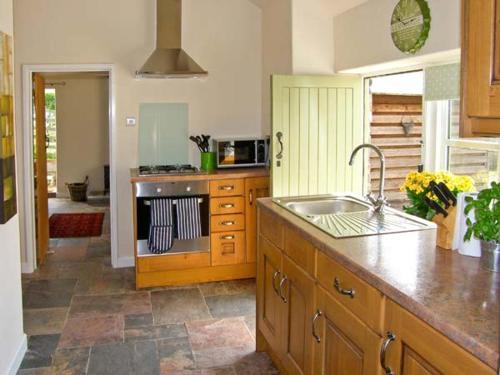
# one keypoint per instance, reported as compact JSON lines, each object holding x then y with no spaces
{"x":380,"y":202}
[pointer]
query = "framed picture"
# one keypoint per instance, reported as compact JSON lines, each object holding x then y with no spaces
{"x":7,"y":162}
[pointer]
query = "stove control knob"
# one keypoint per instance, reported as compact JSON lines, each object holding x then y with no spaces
{"x":188,"y":188}
{"x":158,"y":190}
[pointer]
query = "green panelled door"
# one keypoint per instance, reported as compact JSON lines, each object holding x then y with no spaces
{"x":320,"y":119}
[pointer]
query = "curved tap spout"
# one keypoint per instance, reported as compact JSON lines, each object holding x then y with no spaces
{"x":380,"y":202}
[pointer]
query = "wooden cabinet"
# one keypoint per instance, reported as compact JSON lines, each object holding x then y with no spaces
{"x":255,"y":187}
{"x":227,"y":248}
{"x":417,"y":349}
{"x":299,"y":300}
{"x":330,"y":322}
{"x":480,"y":68}
{"x":270,"y":307}
{"x":344,"y":345}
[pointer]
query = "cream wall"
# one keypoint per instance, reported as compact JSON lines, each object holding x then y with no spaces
{"x":82,"y":130}
{"x":13,"y":340}
{"x":362,"y":34}
{"x":223,"y":36}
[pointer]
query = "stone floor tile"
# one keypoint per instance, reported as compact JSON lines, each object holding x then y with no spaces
{"x":37,"y":371}
{"x":138,"y":320}
{"x":41,"y":294}
{"x":78,"y":270}
{"x":155,"y":332}
{"x":245,"y":286}
{"x":99,"y":248}
{"x":68,"y":254}
{"x":215,"y":288}
{"x":71,"y":361}
{"x":44,"y":321}
{"x":255,"y":363}
{"x":83,"y":332}
{"x":73,"y":241}
{"x":40,"y":351}
{"x":250,"y":321}
{"x":124,"y":359}
{"x":221,"y":357}
{"x":231,"y":305}
{"x":219,"y":333}
{"x":100,"y":285}
{"x":102,"y":305}
{"x":178,"y":306}
{"x":175,"y":355}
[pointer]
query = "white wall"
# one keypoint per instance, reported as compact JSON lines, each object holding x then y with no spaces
{"x":82,"y":117}
{"x":13,"y":340}
{"x":276,"y":50}
{"x":363,"y":38}
{"x":223,"y":36}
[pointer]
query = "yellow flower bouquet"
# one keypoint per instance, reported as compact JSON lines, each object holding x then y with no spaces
{"x":417,"y":186}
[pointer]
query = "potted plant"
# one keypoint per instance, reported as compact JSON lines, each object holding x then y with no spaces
{"x":418,"y":186}
{"x":486,"y":226}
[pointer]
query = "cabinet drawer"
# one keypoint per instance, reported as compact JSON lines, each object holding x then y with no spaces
{"x":301,"y":251}
{"x":169,"y":262}
{"x":365,"y":301}
{"x":222,"y":223}
{"x":227,"y":248}
{"x":272,"y":228}
{"x":227,"y":205}
{"x":227,"y":188}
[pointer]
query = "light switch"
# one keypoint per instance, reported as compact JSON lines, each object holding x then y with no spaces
{"x":131,"y":121}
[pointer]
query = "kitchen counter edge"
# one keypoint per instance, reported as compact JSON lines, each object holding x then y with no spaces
{"x":218,"y":174}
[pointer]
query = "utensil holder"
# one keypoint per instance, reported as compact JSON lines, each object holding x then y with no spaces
{"x":446,"y":228}
{"x":208,"y":161}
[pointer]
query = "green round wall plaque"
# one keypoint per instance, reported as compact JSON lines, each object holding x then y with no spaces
{"x":410,"y":25}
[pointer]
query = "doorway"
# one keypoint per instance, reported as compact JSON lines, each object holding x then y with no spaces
{"x":72,"y":151}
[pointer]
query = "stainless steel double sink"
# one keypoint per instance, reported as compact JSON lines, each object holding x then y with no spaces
{"x":351,"y":216}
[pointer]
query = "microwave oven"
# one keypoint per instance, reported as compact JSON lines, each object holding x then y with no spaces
{"x":241,"y":152}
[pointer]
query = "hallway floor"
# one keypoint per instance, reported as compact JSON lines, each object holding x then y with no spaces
{"x":84,"y":317}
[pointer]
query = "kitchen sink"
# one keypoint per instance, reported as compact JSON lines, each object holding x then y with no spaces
{"x":351,"y":216}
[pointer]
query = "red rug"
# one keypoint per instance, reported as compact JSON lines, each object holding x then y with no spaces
{"x":76,"y":225}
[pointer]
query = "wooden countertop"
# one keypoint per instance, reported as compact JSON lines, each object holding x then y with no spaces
{"x":217,"y":174}
{"x":449,"y":291}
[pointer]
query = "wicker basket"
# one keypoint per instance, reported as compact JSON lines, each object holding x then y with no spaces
{"x":78,"y":190}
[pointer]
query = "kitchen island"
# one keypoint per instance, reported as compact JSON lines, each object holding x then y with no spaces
{"x":367,"y":305}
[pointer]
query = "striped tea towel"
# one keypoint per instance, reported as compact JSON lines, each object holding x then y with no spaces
{"x":161,"y":212}
{"x":160,"y":239}
{"x":161,"y":234}
{"x":188,"y":218}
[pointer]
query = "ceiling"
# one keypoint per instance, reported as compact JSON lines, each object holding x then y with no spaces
{"x":334,"y":6}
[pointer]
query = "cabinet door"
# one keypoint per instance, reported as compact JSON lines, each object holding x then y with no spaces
{"x":270,"y":308}
{"x":255,"y":187}
{"x":420,"y":350}
{"x":299,"y":291}
{"x":482,"y":65}
{"x":344,"y":345}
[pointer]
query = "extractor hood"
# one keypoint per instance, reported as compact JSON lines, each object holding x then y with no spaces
{"x":169,"y":60}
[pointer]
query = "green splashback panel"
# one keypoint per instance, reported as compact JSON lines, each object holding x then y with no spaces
{"x":163,"y":133}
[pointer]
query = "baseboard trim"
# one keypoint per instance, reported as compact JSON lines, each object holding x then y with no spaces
{"x":18,"y":358}
{"x":27,"y":267}
{"x":123,"y":262}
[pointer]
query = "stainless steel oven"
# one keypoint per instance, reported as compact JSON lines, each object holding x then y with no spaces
{"x":146,"y":191}
{"x":241,"y":152}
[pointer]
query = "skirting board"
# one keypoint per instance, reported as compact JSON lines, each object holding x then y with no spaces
{"x":27,"y":268}
{"x":123,"y":262}
{"x":18,"y":358}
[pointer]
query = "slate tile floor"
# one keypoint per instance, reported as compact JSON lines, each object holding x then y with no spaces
{"x":84,"y":317}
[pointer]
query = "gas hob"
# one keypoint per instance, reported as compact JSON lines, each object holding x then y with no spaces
{"x":163,"y":170}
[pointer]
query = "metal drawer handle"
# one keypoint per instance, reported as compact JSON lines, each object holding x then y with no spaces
{"x":275,"y":275}
{"x":226,"y":205}
{"x":315,"y":317}
{"x":282,"y":282}
{"x":227,"y":222}
{"x":279,"y":136}
{"x":390,"y":337}
{"x":226,"y":187}
{"x":345,"y":292}
{"x":228,"y":237}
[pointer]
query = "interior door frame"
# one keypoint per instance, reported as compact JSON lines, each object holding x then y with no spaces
{"x":28,"y":232}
